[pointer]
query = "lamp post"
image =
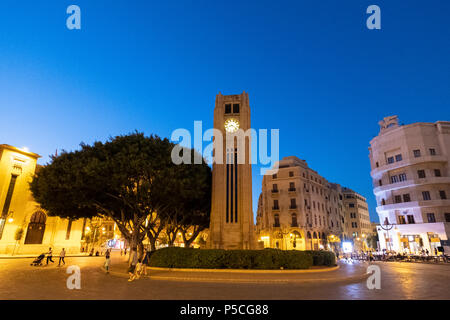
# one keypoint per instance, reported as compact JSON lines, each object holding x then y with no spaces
{"x":95,"y":224}
{"x":386,"y":227}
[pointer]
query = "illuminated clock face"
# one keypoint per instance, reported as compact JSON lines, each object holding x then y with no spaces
{"x":231,"y":125}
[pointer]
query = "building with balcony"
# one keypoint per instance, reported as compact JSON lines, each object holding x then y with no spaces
{"x":357,"y":219}
{"x":299,"y":209}
{"x":411,"y":178}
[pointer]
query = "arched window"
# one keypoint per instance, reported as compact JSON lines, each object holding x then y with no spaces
{"x":315,"y":235}
{"x":308,"y":235}
{"x":296,"y":234}
{"x":323,"y":235}
{"x":36,"y":228}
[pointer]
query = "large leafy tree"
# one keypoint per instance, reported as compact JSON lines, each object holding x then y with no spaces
{"x":130,"y":179}
{"x":193,"y":201}
{"x":187,"y":208}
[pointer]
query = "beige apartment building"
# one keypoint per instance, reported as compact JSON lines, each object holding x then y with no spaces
{"x":357,"y":219}
{"x":299,"y":209}
{"x":411,"y":179}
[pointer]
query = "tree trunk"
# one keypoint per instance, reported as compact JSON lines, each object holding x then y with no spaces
{"x":188,"y":242}
{"x":140,"y":250}
{"x":152,"y":243}
{"x":171,"y":237}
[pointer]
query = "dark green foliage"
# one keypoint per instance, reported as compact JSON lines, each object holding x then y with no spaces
{"x":239,"y":259}
{"x":323,"y":258}
{"x":132,"y":180}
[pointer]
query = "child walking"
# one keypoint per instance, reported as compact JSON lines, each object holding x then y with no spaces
{"x":62,"y":255}
{"x":107,"y":260}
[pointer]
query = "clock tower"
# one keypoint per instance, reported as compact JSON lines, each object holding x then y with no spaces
{"x":232,"y":225}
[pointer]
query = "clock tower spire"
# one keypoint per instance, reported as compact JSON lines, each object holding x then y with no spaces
{"x":232,"y":225}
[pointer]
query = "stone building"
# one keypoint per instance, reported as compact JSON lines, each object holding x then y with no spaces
{"x":411,"y":179}
{"x":299,"y":209}
{"x":24,"y":227}
{"x":357,"y":219}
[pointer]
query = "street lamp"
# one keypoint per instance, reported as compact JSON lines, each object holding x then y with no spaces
{"x":386,"y":227}
{"x":11,"y":216}
{"x":95,"y":223}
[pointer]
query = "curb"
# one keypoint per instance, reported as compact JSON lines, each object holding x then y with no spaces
{"x":246,"y":270}
{"x":418,"y":262}
{"x":356,"y":278}
{"x":54,"y":256}
{"x":262,"y":281}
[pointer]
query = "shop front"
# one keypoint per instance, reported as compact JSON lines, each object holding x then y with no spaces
{"x":435,"y":243}
{"x":412,"y":244}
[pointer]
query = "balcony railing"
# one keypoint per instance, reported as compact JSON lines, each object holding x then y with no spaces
{"x":276,"y":225}
{"x":292,"y":189}
{"x":275,"y":208}
{"x":294,"y":224}
{"x":414,"y":182}
{"x":274,"y":190}
{"x":293,"y":206}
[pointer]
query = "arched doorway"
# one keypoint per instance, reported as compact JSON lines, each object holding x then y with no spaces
{"x":36,"y":228}
{"x":296,"y":240}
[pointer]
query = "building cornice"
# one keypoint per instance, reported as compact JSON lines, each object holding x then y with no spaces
{"x":18,"y":150}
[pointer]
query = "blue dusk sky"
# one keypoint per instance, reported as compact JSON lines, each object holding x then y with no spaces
{"x":312,"y":70}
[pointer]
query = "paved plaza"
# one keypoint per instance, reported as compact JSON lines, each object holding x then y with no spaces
{"x":19,"y":280}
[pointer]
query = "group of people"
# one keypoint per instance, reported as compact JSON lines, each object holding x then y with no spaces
{"x":62,"y":255}
{"x":385,"y":255}
{"x":138,"y":267}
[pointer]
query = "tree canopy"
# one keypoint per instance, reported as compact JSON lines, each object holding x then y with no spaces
{"x":130,"y":179}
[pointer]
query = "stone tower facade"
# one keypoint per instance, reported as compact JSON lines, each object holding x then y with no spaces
{"x":232,"y":225}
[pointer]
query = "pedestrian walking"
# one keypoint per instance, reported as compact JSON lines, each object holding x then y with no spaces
{"x":145,"y":262}
{"x":62,"y":255}
{"x":133,"y":263}
{"x":107,"y":260}
{"x":138,"y":272}
{"x":49,"y":255}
